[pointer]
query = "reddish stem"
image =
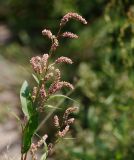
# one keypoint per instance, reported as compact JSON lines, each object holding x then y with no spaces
{"x":25,"y":156}
{"x":21,"y":156}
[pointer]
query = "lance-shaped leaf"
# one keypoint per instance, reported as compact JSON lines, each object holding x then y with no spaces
{"x":29,"y":131}
{"x":44,"y":156}
{"x":62,"y":96}
{"x":50,"y":106}
{"x":26,"y":101}
{"x":36,"y":78}
{"x":24,"y":93}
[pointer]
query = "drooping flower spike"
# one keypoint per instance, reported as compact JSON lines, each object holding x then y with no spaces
{"x":47,"y":33}
{"x":64,"y":60}
{"x":72,"y":15}
{"x":69,"y":35}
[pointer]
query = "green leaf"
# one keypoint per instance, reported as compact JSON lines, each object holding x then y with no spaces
{"x":69,"y":138}
{"x":27,"y":106}
{"x":36,"y":78}
{"x":29,"y":131}
{"x":63,"y":96}
{"x":15,"y":116}
{"x":24,"y":93}
{"x":50,"y":106}
{"x":29,"y":109}
{"x":44,"y":156}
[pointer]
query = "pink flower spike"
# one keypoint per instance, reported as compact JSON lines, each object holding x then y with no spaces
{"x":71,"y":15}
{"x":64,"y":132}
{"x":55,"y":87}
{"x":43,"y":92}
{"x":64,"y":60}
{"x":45,"y":58}
{"x":57,"y":75}
{"x":47,"y":33}
{"x":56,"y":121}
{"x":45,"y":137}
{"x":70,"y":121}
{"x":69,"y":111}
{"x":68,"y":85}
{"x":36,"y":64}
{"x":69,"y":35}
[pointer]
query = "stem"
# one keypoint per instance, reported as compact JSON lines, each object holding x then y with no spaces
{"x":22,"y":145}
{"x":21,"y":156}
{"x":37,"y":100}
{"x":50,"y":54}
{"x":58,"y":34}
{"x":25,"y":156}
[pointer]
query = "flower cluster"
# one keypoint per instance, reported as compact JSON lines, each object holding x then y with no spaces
{"x":63,"y":132}
{"x":49,"y":81}
{"x":39,"y":64}
{"x":64,"y":60}
{"x":56,"y":86}
{"x":43,"y":92}
{"x":47,"y":71}
{"x":35,"y":147}
{"x":47,"y":33}
{"x":56,"y":121}
{"x":69,"y":35}
{"x":48,"y":76}
{"x":71,"y":15}
{"x":63,"y":128}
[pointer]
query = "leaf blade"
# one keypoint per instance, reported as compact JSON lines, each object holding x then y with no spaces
{"x":36,"y":78}
{"x":63,"y":96}
{"x":44,"y":156}
{"x":24,"y":92}
{"x":29,"y":131}
{"x":50,"y":106}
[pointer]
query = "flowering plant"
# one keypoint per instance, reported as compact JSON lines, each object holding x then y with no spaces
{"x":34,"y":101}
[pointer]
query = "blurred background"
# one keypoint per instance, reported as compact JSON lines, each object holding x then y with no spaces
{"x":103,"y":73}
